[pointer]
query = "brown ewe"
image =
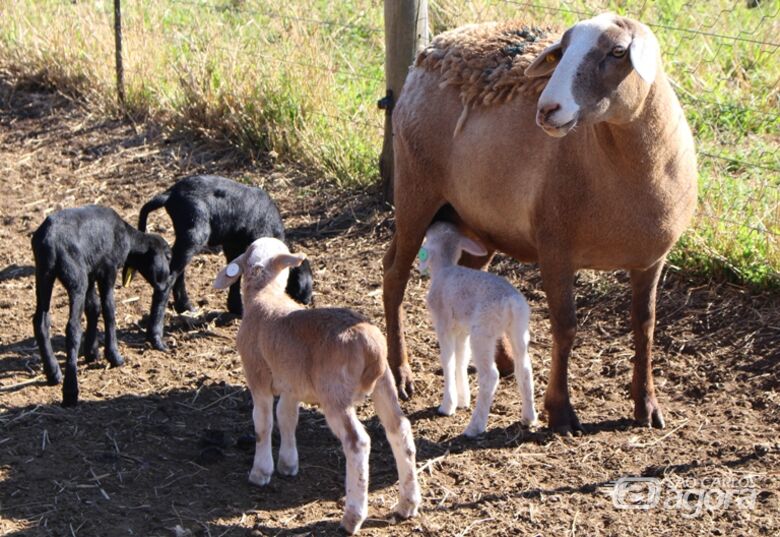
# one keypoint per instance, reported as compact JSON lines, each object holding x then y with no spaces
{"x":615,"y":192}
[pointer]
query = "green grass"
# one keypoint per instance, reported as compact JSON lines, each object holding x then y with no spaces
{"x":266,"y":76}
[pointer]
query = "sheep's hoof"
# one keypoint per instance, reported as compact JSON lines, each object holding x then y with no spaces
{"x":91,"y":355}
{"x":407,"y":508}
{"x":259,"y":478}
{"x":69,"y":401}
{"x":184,"y":308}
{"x":115,"y":359}
{"x":473,"y":431}
{"x":157,"y":343}
{"x":352,"y":521}
{"x":404,"y":382}
{"x":529,"y":421}
{"x":287,"y":469}
{"x":647,"y":413}
{"x":446,"y":410}
{"x":54,"y":378}
{"x":563,"y":420}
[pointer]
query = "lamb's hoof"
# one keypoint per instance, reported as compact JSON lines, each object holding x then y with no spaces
{"x":647,"y":413}
{"x":54,"y":378}
{"x":473,"y":431}
{"x":259,"y":478}
{"x":157,"y":343}
{"x":184,"y":308}
{"x":287,"y":469}
{"x":464,"y":403}
{"x":235,"y":309}
{"x":563,"y":421}
{"x":446,"y":410}
{"x":407,"y":508}
{"x":69,"y":401}
{"x":115,"y":359}
{"x":352,"y":521}
{"x":91,"y":355}
{"x":529,"y":421}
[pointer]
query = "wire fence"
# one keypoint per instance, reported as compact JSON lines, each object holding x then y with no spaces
{"x":721,"y":57}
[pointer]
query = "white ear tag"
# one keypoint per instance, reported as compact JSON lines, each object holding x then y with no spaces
{"x":232,"y":270}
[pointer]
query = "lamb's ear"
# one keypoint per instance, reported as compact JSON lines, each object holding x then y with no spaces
{"x":643,"y":52}
{"x":283,"y":261}
{"x":472,"y":247}
{"x":231,"y":273}
{"x":546,"y":62}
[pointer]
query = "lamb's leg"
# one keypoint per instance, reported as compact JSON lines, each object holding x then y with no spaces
{"x":44,"y":284}
{"x":357,"y":445}
{"x":92,"y":309}
{"x":558,"y":281}
{"x":523,"y":370}
{"x":644,"y":283}
{"x":181,"y":300}
{"x":287,"y":421}
{"x":462,"y":358}
{"x":482,"y":346}
{"x":262,"y":415}
{"x":77,"y":290}
{"x":504,"y":359}
{"x":106,"y":286}
{"x":184,"y":249}
{"x":449,"y":399}
{"x":399,"y":434}
{"x":414,"y":212}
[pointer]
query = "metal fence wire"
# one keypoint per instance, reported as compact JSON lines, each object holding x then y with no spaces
{"x":721,"y":57}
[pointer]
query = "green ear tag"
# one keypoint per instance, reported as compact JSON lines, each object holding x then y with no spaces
{"x":422,"y":255}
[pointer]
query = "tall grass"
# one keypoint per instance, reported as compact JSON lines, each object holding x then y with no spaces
{"x":301,"y":79}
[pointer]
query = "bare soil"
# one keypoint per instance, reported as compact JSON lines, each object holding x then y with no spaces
{"x":155,"y":447}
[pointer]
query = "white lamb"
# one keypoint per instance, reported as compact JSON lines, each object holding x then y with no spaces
{"x":329,"y":356}
{"x":471,"y":305}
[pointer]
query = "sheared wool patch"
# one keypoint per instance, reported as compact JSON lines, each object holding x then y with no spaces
{"x":486,"y":62}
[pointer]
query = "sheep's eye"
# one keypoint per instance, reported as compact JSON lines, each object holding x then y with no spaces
{"x":618,"y":51}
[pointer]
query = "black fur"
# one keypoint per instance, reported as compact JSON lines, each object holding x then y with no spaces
{"x":82,"y":247}
{"x":208,"y":210}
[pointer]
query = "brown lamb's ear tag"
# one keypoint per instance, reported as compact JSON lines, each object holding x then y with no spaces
{"x":127,"y":276}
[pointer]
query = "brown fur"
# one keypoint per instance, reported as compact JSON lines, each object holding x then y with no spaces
{"x":611,"y":194}
{"x":486,"y":62}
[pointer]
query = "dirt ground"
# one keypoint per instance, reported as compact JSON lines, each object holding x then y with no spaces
{"x":154,"y":447}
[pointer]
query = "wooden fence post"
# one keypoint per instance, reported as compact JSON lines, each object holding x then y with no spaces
{"x":120,"y":71}
{"x":406,"y":31}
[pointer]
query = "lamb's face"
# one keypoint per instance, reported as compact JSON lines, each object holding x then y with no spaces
{"x":266,"y":263}
{"x":443,"y":246}
{"x":602,"y":70}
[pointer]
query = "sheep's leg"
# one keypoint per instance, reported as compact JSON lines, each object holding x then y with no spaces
{"x":44,"y":284}
{"x":414,"y":212}
{"x":287,"y":421}
{"x":357,"y":445}
{"x":462,"y":357}
{"x":399,"y":434}
{"x":447,"y":348}
{"x":523,"y":370}
{"x":644,"y":284}
{"x":231,"y":252}
{"x":184,"y":249}
{"x":92,"y":309}
{"x":181,"y":300}
{"x":482,"y":347}
{"x":77,"y":290}
{"x":106,"y":287}
{"x":262,"y":415}
{"x":504,"y":359}
{"x":558,"y":284}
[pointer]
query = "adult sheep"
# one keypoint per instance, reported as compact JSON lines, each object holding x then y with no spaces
{"x":607,"y":182}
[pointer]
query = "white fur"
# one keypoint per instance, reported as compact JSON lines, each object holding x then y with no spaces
{"x":473,"y":309}
{"x":348,"y":362}
{"x":560,"y":89}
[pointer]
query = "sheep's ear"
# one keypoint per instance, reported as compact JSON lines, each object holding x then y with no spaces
{"x":643,"y":52}
{"x":546,"y":62}
{"x":472,"y":247}
{"x":283,"y":261}
{"x":231,"y":273}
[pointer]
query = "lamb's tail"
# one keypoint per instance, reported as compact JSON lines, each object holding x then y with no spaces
{"x":152,"y":205}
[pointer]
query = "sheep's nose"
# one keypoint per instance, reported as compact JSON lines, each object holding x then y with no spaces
{"x":545,"y":111}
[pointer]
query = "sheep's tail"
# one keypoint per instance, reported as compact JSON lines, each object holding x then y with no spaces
{"x":152,"y":205}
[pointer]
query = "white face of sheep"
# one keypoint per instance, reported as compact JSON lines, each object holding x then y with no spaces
{"x":266,"y":262}
{"x":602,"y":70}
{"x":443,"y":245}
